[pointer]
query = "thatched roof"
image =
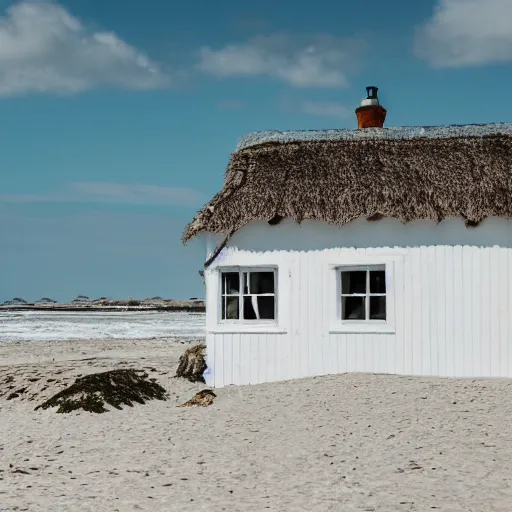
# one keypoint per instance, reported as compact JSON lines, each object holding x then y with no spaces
{"x":340,"y":175}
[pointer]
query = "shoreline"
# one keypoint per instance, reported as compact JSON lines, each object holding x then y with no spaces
{"x":99,"y":323}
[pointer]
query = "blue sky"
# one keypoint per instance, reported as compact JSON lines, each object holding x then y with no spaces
{"x":118,"y":117}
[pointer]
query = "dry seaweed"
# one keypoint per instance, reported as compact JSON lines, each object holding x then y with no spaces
{"x":203,"y":398}
{"x":116,"y":388}
{"x":192,"y":364}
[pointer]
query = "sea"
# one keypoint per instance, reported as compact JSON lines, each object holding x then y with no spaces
{"x":16,"y":326}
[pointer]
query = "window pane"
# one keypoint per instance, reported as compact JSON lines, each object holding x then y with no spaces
{"x":261,"y":282}
{"x":259,"y":308}
{"x":230,"y":310}
{"x":230,"y":283}
{"x":377,"y":308}
{"x":266,"y":305}
{"x":249,"y":312}
{"x":353,"y":308}
{"x":353,"y":281}
{"x":377,"y":281}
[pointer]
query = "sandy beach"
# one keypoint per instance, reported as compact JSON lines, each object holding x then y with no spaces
{"x":336,"y":443}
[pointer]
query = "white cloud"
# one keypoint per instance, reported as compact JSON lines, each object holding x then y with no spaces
{"x":44,"y":49}
{"x":320,"y":61}
{"x":466,"y":33}
{"x":108,"y":193}
{"x":325,"y":108}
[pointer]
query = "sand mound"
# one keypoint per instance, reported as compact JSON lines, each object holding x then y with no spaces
{"x":116,"y":388}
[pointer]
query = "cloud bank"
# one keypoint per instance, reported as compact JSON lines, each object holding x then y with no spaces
{"x":466,"y":33}
{"x":44,"y":49}
{"x":113,"y":193}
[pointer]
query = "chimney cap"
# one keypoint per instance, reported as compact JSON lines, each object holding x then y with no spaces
{"x":371,"y":92}
{"x":371,"y":96}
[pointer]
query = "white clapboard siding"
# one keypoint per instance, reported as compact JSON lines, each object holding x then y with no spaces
{"x":452,"y":291}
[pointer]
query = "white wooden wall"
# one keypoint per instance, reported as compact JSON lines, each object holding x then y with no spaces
{"x":453,"y":302}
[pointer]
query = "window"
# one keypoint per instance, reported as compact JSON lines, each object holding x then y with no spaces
{"x":248,"y":295}
{"x":363,"y":294}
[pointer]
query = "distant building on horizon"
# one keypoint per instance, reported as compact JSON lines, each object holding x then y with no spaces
{"x":381,"y":250}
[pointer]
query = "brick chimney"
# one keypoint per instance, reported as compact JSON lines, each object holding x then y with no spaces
{"x":370,"y":114}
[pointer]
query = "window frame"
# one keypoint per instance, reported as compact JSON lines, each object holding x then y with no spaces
{"x":241,"y":270}
{"x":338,"y":325}
{"x":367,"y":269}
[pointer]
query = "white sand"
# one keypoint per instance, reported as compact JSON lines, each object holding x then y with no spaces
{"x":342,"y":443}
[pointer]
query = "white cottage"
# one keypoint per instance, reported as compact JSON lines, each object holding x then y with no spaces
{"x":382,"y":250}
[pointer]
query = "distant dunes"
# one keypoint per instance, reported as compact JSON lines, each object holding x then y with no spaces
{"x":83,"y":303}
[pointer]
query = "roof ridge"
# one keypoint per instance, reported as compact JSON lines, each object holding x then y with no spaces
{"x":392,"y":133}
